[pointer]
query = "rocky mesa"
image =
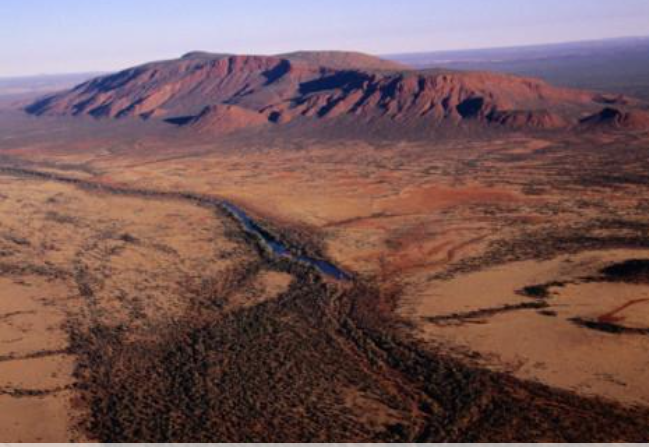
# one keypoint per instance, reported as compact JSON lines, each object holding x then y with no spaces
{"x":222,"y":93}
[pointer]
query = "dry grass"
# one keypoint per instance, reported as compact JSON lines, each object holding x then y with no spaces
{"x":74,"y":259}
{"x":179,"y":329}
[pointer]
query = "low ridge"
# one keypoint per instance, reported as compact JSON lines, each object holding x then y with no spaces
{"x":618,"y":119}
{"x":223,"y":118}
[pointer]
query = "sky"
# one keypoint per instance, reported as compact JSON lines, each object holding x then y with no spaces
{"x":68,"y":36}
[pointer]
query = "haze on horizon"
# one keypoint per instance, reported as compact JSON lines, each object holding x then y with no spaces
{"x":67,"y":36}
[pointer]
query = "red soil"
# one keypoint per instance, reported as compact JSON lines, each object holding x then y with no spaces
{"x":612,"y":317}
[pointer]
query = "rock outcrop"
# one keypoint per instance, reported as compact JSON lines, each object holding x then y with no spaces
{"x":230,"y":91}
{"x":618,"y":119}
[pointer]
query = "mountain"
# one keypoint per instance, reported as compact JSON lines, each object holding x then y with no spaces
{"x":224,"y":92}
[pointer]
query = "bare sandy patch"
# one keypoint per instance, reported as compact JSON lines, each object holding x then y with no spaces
{"x":425,"y":198}
{"x":537,"y":337}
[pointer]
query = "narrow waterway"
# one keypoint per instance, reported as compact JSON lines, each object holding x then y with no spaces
{"x":278,"y":248}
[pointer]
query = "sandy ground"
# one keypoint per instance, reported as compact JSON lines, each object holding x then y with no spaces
{"x":35,"y":372}
{"x":477,"y":313}
{"x":458,"y":227}
{"x":406,"y":213}
{"x":70,"y":260}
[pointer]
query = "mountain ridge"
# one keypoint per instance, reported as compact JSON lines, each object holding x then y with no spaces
{"x":324,"y":85}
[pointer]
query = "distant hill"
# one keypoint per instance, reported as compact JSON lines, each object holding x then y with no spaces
{"x":612,"y":65}
{"x":13,"y":86}
{"x":15,"y":92}
{"x":223,"y":93}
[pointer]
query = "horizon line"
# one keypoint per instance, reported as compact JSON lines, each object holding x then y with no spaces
{"x":381,"y":55}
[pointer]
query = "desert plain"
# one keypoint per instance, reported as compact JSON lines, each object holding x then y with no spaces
{"x":491,"y":283}
{"x":128,"y":315}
